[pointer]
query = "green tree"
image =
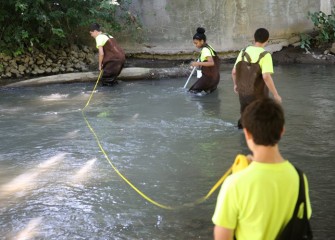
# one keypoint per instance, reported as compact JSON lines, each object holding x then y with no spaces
{"x":25,"y":24}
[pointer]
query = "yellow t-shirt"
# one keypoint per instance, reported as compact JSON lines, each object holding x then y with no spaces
{"x":265,"y":63}
{"x":259,"y":201}
{"x":101,"y":39}
{"x":206,"y":52}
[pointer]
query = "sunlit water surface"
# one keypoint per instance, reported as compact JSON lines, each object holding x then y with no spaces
{"x":55,"y":183}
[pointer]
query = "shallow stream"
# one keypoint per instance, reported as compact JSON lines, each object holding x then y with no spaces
{"x":55,"y":183}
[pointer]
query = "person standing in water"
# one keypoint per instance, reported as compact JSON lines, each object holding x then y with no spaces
{"x":252,"y":71}
{"x":208,"y":65}
{"x":111,"y":55}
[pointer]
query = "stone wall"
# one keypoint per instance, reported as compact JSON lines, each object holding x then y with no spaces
{"x":169,"y":25}
{"x":53,"y":61}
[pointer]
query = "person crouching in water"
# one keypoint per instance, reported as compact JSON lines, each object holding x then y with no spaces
{"x":208,"y":65}
{"x":111,"y":55}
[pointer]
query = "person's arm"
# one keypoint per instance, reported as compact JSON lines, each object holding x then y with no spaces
{"x":221,"y":233}
{"x":233,"y":76}
{"x":270,"y":84}
{"x":101,"y":57}
{"x":209,"y":63}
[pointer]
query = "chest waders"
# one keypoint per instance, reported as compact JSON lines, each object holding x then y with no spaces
{"x":249,"y":81}
{"x":210,"y":75}
{"x":113,"y":61}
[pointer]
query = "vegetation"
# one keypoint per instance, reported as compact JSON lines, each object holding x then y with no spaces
{"x":325,"y":30}
{"x":26,"y":24}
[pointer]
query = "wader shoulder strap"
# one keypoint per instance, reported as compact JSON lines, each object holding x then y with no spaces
{"x":212,"y":51}
{"x":245,"y":55}
{"x":262,"y":55}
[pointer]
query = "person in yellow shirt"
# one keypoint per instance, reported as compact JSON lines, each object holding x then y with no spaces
{"x":252,"y":71}
{"x":208,"y":65}
{"x":111,"y":55}
{"x":257,"y":202}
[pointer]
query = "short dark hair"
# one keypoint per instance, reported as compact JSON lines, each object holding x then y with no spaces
{"x":261,"y":35}
{"x":265,"y":120}
{"x":200,"y":35}
{"x":94,"y":26}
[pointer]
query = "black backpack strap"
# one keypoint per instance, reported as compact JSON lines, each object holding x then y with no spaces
{"x":301,"y":195}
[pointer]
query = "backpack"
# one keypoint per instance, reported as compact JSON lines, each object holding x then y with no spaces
{"x":249,"y":79}
{"x":297,"y":228}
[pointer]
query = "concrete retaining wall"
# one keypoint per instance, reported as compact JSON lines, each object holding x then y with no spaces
{"x":169,"y":25}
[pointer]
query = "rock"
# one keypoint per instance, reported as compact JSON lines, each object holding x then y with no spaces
{"x":74,"y":54}
{"x":78,"y":66}
{"x":126,"y":74}
{"x":74,"y":48}
{"x":6,"y":58}
{"x":63,"y":53}
{"x":22,"y":68}
{"x":297,"y":44}
{"x":294,"y":40}
{"x":332,"y":50}
{"x":39,"y":62}
{"x":276,"y":47}
{"x":86,"y":49}
{"x":55,"y":70}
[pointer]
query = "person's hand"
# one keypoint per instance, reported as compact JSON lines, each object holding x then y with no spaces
{"x":100,"y":67}
{"x":235,"y":89}
{"x":194,"y":64}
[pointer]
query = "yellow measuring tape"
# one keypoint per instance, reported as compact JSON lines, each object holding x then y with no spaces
{"x":240,"y":160}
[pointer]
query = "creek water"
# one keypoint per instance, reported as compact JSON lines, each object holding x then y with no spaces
{"x":55,"y":182}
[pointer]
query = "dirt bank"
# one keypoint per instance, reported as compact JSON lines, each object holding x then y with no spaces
{"x":291,"y":55}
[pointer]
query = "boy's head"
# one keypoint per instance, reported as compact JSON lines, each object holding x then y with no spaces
{"x":95,"y":30}
{"x":95,"y":27}
{"x":264,"y":120}
{"x":261,"y":35}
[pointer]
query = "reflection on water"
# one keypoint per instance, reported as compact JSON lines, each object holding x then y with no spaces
{"x":170,"y":144}
{"x":30,"y":231}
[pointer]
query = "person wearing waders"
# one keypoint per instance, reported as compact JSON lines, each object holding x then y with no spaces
{"x":208,"y":65}
{"x":252,"y":73}
{"x":111,"y":55}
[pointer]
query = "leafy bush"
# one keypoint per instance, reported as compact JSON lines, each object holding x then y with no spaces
{"x":325,"y":26}
{"x":25,"y":24}
{"x":325,"y":30}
